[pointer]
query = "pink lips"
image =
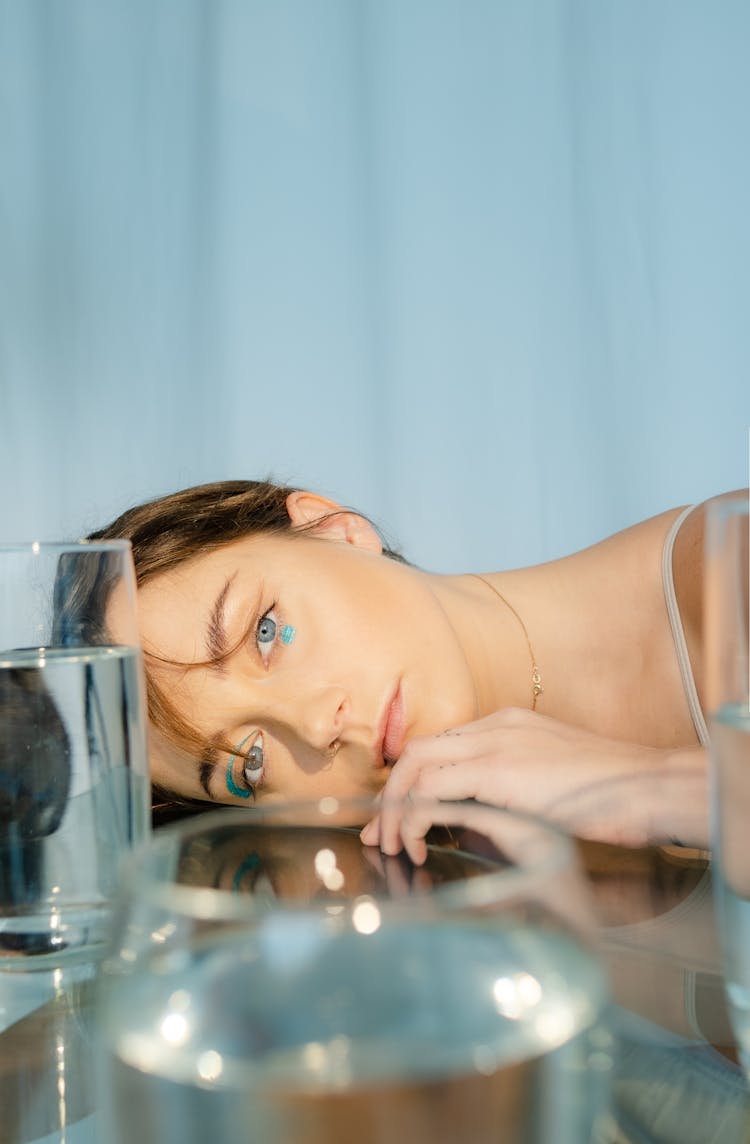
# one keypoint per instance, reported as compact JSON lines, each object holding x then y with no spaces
{"x":395,"y":727}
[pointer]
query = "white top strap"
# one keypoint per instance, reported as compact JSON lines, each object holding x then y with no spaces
{"x":678,"y":634}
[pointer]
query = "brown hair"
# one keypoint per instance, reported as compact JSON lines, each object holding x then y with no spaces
{"x":172,"y":529}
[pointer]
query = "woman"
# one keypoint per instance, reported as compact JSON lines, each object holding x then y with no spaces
{"x":290,"y":655}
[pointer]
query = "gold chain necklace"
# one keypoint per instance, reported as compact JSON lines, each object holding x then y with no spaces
{"x":536,"y":679}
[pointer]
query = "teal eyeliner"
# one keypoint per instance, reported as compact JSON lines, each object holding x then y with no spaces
{"x":240,"y":792}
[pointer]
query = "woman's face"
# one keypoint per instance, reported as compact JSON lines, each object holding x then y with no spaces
{"x":348,"y":655}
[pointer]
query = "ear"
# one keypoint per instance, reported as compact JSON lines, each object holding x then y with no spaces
{"x":323,"y":517}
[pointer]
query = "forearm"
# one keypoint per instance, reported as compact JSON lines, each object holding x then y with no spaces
{"x":599,"y":789}
{"x":680,"y":798}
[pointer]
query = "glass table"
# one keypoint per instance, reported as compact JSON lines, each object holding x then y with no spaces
{"x":677,"y":1079}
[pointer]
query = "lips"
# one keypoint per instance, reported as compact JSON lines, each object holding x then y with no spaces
{"x":394,"y":728}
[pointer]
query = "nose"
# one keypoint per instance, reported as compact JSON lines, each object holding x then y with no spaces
{"x":317,"y":716}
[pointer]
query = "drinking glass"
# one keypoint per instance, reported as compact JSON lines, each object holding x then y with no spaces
{"x":47,"y":1090}
{"x":727,"y":625}
{"x":272,"y":979}
{"x":73,"y":765}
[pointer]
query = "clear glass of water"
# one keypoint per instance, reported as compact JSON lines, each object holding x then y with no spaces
{"x":73,"y":767}
{"x":273,"y":979}
{"x":727,"y":639}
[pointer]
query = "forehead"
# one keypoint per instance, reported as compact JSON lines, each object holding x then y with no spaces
{"x":121,"y":614}
{"x":175,"y":606}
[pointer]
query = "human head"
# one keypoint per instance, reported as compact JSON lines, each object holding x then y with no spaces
{"x":167,"y":532}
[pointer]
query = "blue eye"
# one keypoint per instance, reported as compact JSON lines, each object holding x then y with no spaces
{"x":266,"y":634}
{"x":252,"y":770}
{"x":267,"y":630}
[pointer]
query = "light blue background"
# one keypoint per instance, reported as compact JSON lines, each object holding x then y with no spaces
{"x":480,"y":269}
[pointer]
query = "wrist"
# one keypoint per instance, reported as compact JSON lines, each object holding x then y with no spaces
{"x":680,"y":803}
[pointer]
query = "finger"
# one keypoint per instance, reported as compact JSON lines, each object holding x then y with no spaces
{"x":498,"y":835}
{"x":467,"y":779}
{"x":426,"y":806}
{"x":389,"y":824}
{"x":392,"y":818}
{"x":447,"y":780}
{"x":415,"y":825}
{"x":416,"y":848}
{"x":397,"y":876}
{"x":421,"y":755}
{"x":370,"y":834}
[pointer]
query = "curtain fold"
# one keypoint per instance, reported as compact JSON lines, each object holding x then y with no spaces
{"x":479,"y":269}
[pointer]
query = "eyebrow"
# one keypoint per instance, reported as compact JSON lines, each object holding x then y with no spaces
{"x":216,"y":632}
{"x":207,"y":765}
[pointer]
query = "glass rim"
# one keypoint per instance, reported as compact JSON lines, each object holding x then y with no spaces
{"x":37,"y":547}
{"x":557,"y":854}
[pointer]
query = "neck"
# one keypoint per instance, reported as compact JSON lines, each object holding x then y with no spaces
{"x":493,"y":634}
{"x":536,"y":677}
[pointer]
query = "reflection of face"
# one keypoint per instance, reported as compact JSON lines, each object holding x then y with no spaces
{"x":283,"y":864}
{"x":299,"y":864}
{"x":372,"y":652}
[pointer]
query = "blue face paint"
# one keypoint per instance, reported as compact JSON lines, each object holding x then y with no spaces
{"x":287,"y":634}
{"x":241,"y":792}
{"x":249,"y":862}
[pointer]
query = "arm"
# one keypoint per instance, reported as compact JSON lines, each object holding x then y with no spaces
{"x":682,"y":809}
{"x":600,"y":789}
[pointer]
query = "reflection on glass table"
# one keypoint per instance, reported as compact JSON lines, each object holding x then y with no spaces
{"x":677,"y":1076}
{"x":676,"y":1079}
{"x":269,"y":973}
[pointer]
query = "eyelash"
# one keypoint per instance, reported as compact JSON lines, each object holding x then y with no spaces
{"x":238,"y":784}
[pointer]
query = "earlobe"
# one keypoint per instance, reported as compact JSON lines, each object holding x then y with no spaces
{"x":324,"y":517}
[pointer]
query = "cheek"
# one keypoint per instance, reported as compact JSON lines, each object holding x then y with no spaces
{"x":440,"y":691}
{"x":349,"y":777}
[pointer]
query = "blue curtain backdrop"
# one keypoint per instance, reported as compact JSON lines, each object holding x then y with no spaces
{"x":479,"y":268}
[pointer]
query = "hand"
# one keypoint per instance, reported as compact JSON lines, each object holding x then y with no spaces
{"x":601,"y":789}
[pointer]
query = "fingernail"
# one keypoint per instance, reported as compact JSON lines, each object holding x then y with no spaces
{"x":367,"y":834}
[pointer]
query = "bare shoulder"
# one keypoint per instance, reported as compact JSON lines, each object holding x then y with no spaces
{"x":641,"y":546}
{"x":625,"y":566}
{"x":617,"y":671}
{"x":688,"y":558}
{"x":634,"y":546}
{"x":648,"y":536}
{"x":614,"y":627}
